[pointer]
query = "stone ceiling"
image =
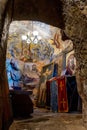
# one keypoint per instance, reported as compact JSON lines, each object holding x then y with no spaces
{"x":48,"y":11}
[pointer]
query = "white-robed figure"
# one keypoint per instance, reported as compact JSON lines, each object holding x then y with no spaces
{"x":13,"y":73}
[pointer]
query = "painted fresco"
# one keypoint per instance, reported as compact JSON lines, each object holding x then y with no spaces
{"x":14,"y":73}
{"x":50,"y":45}
{"x":23,"y":76}
{"x":26,"y":62}
{"x":71,"y":62}
{"x":46,"y":74}
{"x":40,"y":51}
{"x":30,"y":52}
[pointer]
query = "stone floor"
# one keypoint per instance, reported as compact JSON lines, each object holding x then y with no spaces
{"x":43,"y":119}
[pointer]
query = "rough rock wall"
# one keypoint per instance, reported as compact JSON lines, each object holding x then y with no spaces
{"x":48,"y":11}
{"x":75,"y":18}
{"x":5,"y":19}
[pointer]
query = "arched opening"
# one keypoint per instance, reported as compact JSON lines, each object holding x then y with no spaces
{"x":26,"y":60}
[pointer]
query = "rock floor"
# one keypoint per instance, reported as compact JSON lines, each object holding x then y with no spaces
{"x":43,"y":119}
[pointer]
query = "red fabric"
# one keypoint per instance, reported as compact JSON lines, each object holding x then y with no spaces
{"x":62,"y":95}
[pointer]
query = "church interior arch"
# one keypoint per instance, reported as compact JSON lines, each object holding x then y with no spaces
{"x":26,"y":59}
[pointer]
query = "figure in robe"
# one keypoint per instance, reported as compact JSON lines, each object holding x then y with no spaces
{"x":42,"y":89}
{"x":13,"y":73}
{"x":70,"y":69}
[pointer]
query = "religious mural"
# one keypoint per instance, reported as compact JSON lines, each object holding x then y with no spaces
{"x":46,"y":74}
{"x":29,"y":64}
{"x":47,"y":45}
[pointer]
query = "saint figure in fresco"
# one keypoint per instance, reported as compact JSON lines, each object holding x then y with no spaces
{"x":13,"y":72}
{"x":42,"y":93}
{"x":71,"y":67}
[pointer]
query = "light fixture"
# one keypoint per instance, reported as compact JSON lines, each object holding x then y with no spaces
{"x":30,"y":38}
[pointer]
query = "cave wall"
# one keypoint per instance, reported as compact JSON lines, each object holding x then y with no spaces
{"x":75,"y":19}
{"x":48,"y":11}
{"x":5,"y":20}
